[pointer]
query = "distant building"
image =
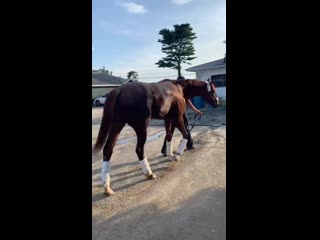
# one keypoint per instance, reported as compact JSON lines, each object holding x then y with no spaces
{"x":103,"y":82}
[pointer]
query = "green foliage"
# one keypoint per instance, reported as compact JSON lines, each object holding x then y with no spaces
{"x":132,"y":75}
{"x":178,"y":46}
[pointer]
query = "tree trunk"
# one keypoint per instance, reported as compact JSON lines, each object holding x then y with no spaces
{"x":179,"y":71}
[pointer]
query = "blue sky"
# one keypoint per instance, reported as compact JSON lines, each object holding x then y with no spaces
{"x":125,"y":34}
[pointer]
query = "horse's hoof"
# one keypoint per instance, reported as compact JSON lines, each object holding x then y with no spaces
{"x":151,"y":176}
{"x":171,"y":158}
{"x":108,"y":191}
{"x":176,"y":158}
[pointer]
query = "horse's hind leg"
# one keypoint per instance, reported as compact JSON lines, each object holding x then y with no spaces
{"x":141,"y":131}
{"x":107,"y":152}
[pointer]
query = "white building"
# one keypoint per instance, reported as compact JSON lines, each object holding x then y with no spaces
{"x":214,"y":71}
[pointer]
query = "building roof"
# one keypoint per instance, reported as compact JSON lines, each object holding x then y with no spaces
{"x":102,"y":78}
{"x":210,"y":65}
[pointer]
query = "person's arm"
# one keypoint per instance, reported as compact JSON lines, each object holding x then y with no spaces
{"x":189,"y":103}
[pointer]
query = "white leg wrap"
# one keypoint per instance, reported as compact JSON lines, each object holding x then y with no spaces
{"x":169,"y":150}
{"x":182,"y":146}
{"x":105,"y":173}
{"x":145,"y":167}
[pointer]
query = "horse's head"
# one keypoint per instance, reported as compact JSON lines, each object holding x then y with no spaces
{"x":206,"y":90}
{"x":210,"y":95}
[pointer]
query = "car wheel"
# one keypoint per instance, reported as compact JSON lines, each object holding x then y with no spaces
{"x":98,"y":103}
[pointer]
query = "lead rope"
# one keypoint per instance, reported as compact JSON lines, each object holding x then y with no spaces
{"x":196,"y":118}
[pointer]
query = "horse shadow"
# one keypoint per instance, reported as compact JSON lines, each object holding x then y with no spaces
{"x":123,"y":176}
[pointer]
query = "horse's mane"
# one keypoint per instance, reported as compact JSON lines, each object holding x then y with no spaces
{"x":191,"y":87}
{"x":191,"y":83}
{"x":186,"y":82}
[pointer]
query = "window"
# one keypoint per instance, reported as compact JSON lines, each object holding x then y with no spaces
{"x":219,"y":80}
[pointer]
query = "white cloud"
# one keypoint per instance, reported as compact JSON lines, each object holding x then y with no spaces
{"x":180,"y":2}
{"x":93,"y":49}
{"x":134,"y":8}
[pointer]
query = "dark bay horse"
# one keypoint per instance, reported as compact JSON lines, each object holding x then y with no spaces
{"x":136,"y":104}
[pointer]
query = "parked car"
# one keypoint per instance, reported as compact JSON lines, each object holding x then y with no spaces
{"x":99,"y":101}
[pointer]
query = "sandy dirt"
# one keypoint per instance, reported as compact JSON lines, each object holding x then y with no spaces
{"x":186,"y":201}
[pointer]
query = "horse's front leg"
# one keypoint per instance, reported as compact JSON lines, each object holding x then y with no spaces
{"x":182,"y":128}
{"x":190,"y":140}
{"x":170,"y":126}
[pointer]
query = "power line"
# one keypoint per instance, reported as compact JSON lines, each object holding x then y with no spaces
{"x":145,"y":77}
{"x":164,"y":76}
{"x":139,"y":72}
{"x":144,"y":73}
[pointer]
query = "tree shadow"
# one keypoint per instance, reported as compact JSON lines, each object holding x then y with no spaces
{"x":98,"y":197}
{"x":124,"y":173}
{"x":114,"y":167}
{"x":118,"y":189}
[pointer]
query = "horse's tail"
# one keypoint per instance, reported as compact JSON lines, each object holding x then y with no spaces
{"x":106,"y":122}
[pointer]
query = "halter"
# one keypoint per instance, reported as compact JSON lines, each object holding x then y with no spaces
{"x":209,"y":87}
{"x":210,"y":90}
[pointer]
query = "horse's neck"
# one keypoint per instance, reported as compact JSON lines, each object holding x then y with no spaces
{"x":193,"y":91}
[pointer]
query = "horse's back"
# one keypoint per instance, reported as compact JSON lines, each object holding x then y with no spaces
{"x":148,"y":100}
{"x":133,"y":94}
{"x":135,"y":100}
